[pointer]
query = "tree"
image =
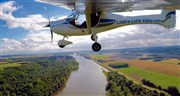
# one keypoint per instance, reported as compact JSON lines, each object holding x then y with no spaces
{"x":173,"y":91}
{"x":119,"y":85}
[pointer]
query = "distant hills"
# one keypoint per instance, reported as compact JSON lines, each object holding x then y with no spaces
{"x":156,"y":52}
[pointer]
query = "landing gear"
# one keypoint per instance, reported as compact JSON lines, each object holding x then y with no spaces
{"x":61,"y":46}
{"x":62,"y":43}
{"x":93,"y":37}
{"x":96,"y":46}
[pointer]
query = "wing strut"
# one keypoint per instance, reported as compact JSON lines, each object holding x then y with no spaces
{"x":88,"y":16}
{"x":88,"y":20}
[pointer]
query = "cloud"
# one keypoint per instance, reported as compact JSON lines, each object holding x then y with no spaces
{"x":177,"y":20}
{"x":39,"y":41}
{"x":8,"y":7}
{"x":32,"y":43}
{"x":31,"y":22}
{"x":142,"y":37}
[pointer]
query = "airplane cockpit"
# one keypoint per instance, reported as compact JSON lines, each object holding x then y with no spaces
{"x":79,"y":21}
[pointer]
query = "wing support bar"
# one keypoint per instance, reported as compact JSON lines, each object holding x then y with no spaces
{"x":88,"y":16}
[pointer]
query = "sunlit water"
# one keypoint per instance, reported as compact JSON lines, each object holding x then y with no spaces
{"x":88,"y":80}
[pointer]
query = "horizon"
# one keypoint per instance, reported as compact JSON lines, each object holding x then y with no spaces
{"x":29,"y":54}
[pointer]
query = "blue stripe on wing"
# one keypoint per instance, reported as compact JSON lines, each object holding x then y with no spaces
{"x":65,"y":23}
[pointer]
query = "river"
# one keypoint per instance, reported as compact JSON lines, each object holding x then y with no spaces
{"x":88,"y":80}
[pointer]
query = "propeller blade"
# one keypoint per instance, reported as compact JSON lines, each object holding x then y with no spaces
{"x":51,"y":36}
{"x":47,"y":14}
{"x":49,"y":25}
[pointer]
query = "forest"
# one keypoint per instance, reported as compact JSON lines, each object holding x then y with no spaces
{"x":37,"y":76}
{"x":119,"y":85}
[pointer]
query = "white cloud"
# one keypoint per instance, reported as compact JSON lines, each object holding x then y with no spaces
{"x":40,"y":42}
{"x":178,"y":19}
{"x":8,"y":7}
{"x":31,"y":22}
{"x":32,"y":43}
{"x":142,"y":36}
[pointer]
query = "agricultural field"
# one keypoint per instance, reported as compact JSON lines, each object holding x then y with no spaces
{"x":4,"y":65}
{"x":160,"y":79}
{"x":169,"y":69}
{"x":161,"y":74}
{"x":171,"y":61}
{"x":101,"y":57}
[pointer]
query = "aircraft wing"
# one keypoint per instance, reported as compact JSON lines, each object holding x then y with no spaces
{"x":113,"y":5}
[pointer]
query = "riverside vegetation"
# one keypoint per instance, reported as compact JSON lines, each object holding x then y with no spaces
{"x":37,"y":76}
{"x":119,"y":85}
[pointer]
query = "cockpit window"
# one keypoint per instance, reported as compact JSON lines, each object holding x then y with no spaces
{"x":73,"y":15}
{"x":79,"y":21}
{"x":76,"y":20}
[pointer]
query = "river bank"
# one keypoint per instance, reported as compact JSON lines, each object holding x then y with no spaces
{"x":87,"y":80}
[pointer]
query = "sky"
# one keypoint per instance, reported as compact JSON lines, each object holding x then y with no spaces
{"x":22,"y":31}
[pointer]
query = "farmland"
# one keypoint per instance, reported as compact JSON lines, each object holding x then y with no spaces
{"x":169,"y":69}
{"x":101,"y":57}
{"x":155,"y":68}
{"x":159,"y":73}
{"x":160,"y":79}
{"x":171,"y":61}
{"x":7,"y":65}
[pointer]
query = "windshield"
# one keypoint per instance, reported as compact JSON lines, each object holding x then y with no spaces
{"x":79,"y":21}
{"x":73,"y":15}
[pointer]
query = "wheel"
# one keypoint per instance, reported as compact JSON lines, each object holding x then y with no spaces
{"x":93,"y":37}
{"x":61,"y":46}
{"x":96,"y":47}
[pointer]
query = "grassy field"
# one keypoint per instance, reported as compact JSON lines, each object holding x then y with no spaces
{"x":2,"y":66}
{"x":171,"y":61}
{"x":157,"y":78}
{"x":100,"y":57}
{"x":3,"y":63}
{"x":169,"y":69}
{"x":159,"y":73}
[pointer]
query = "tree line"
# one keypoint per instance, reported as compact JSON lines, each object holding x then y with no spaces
{"x":119,"y":65}
{"x":171,"y":89}
{"x":39,"y":76}
{"x":119,"y":85}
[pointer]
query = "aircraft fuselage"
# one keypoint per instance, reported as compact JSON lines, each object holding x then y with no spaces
{"x":108,"y":21}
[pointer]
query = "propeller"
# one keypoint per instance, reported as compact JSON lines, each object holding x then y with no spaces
{"x":49,"y":25}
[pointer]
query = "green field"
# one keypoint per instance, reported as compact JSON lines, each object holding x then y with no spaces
{"x":100,"y":57}
{"x":2,"y":66}
{"x":160,"y":79}
{"x":171,"y":61}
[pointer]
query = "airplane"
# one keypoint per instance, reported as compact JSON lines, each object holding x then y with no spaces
{"x":99,"y":17}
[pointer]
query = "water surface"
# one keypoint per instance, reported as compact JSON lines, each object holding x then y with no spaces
{"x":88,"y":80}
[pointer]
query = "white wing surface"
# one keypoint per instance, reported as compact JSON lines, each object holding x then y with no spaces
{"x":113,"y":5}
